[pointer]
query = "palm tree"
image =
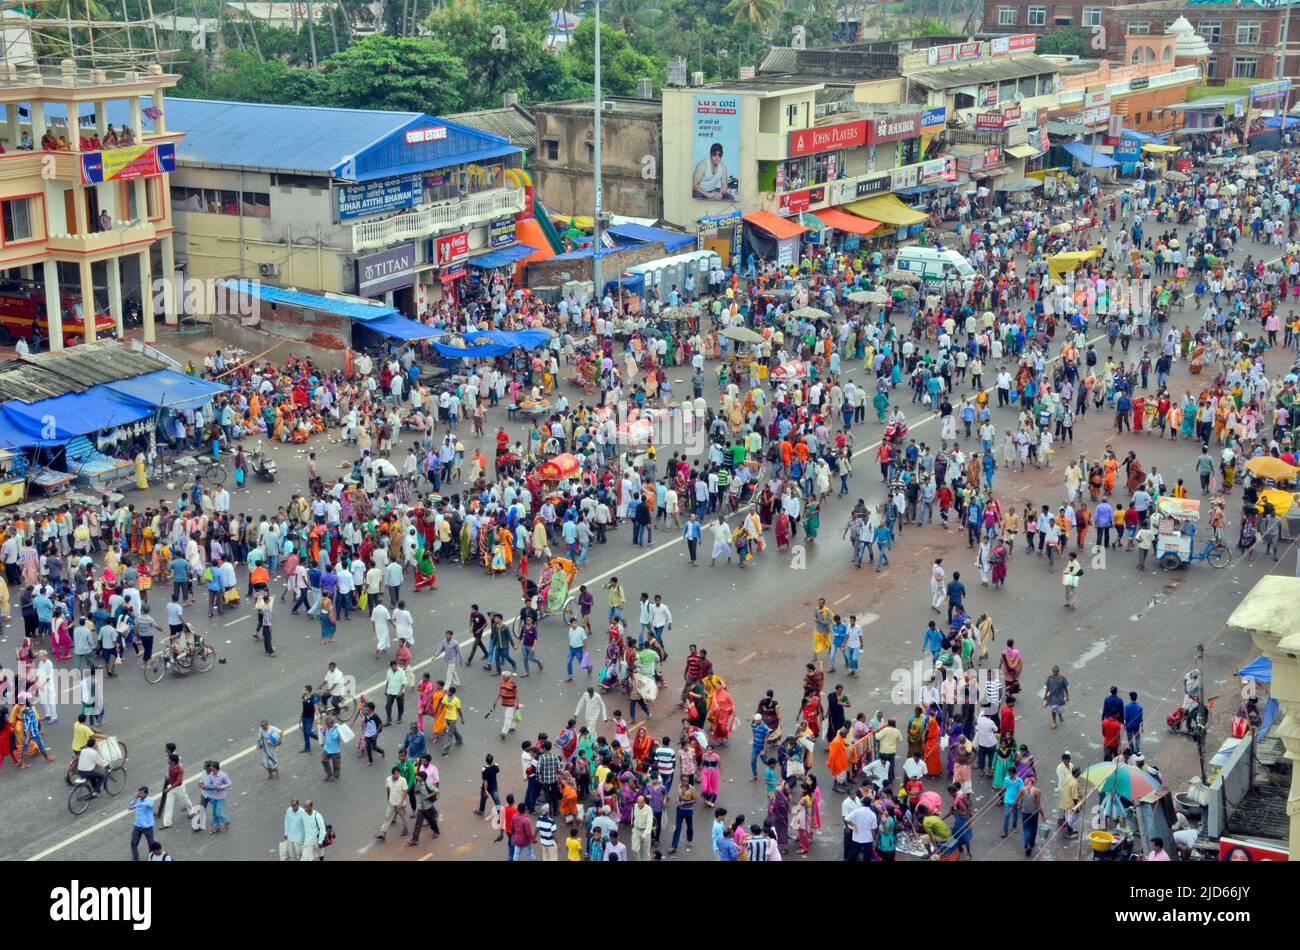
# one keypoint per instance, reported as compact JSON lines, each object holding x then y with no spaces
{"x":762,"y":14}
{"x":633,"y":17}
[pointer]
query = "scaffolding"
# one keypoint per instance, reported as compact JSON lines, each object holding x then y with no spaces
{"x":55,"y":36}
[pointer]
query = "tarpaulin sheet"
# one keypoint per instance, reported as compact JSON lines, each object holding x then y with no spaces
{"x":401,"y":328}
{"x":1089,"y":156}
{"x":62,"y":417}
{"x":12,"y":437}
{"x":493,"y":343}
{"x":168,"y":389}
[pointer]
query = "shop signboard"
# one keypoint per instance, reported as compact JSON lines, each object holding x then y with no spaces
{"x":387,"y":270}
{"x":451,"y":249}
{"x":1269,"y":91}
{"x":1128,"y":150}
{"x":501,"y":232}
{"x":871,"y":186}
{"x":894,"y":128}
{"x":827,"y":138}
{"x":933,"y":120}
{"x":990,"y":121}
{"x":380,"y":196}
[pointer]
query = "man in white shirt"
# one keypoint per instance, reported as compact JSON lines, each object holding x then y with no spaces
{"x":661,"y":619}
{"x":861,"y":824}
{"x":381,"y":617}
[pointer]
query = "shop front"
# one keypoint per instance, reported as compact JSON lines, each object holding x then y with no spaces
{"x":389,"y":276}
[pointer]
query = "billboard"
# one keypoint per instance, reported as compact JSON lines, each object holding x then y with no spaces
{"x":826,"y":138}
{"x":451,"y":249}
{"x":894,"y":128}
{"x":387,"y":270}
{"x":378,"y":197}
{"x":715,"y":148}
{"x":123,"y":164}
{"x":933,"y":120}
{"x":990,"y":121}
{"x":501,"y":232}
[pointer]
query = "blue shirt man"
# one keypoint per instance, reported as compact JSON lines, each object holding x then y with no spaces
{"x":330,"y":742}
{"x":1133,"y":720}
{"x":932,"y":639}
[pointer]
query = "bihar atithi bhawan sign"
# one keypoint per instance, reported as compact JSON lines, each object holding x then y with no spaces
{"x":387,"y":270}
{"x":377,"y":197}
{"x":826,"y":138}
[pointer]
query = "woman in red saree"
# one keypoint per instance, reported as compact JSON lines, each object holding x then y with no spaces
{"x":642,"y":746}
{"x":766,"y":507}
{"x":722,"y":715}
{"x":812,"y":712}
{"x":782,"y":529}
{"x":425,"y":577}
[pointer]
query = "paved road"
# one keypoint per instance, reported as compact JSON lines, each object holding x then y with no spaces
{"x":1133,"y":630}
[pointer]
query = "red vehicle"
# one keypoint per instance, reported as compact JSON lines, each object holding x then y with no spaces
{"x":22,"y":310}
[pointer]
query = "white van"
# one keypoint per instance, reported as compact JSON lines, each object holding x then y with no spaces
{"x":933,"y":263}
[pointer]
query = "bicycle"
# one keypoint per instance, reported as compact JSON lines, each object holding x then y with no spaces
{"x":198,"y":658}
{"x":1215,"y":553}
{"x":83,"y":792}
{"x":343,"y":710}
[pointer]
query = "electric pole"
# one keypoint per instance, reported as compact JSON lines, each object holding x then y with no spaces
{"x":597,"y":283}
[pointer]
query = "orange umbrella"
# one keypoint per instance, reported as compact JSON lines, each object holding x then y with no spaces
{"x":565,"y":465}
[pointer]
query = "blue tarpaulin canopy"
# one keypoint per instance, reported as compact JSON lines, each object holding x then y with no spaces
{"x":1089,"y":156}
{"x":401,"y":328}
{"x":168,"y":389}
{"x":1141,"y":136}
{"x":1275,"y":122}
{"x":1260,"y":668}
{"x":640,"y":234}
{"x":12,"y":437}
{"x":492,"y":343}
{"x":63,"y":417}
{"x":504,"y":257}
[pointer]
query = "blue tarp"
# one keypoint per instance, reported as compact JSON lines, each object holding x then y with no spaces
{"x":62,"y":417}
{"x":400,"y":328}
{"x":1089,"y":156}
{"x":1142,"y":136}
{"x":639,"y":233}
{"x":492,"y":343}
{"x":1275,"y":122}
{"x":168,"y":389}
{"x":355,"y":309}
{"x":12,"y":437}
{"x":503,"y":257}
{"x":1260,"y":668}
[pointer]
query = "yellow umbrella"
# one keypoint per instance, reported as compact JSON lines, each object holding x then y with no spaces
{"x":1280,"y":500}
{"x":1268,"y":466}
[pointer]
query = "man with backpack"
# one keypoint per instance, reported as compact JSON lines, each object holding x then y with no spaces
{"x":426,"y":798}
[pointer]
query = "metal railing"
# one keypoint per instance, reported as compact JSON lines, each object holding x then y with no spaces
{"x":428,"y":219}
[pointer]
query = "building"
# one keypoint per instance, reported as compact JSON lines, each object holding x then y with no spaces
{"x":1041,"y":17}
{"x":395,"y":206}
{"x":512,"y":122}
{"x":631,"y":145}
{"x":84,"y":226}
{"x":1246,"y":38}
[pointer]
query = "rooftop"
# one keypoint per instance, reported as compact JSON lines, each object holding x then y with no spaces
{"x":644,"y":108}
{"x":72,"y":370}
{"x":1016,"y":67}
{"x":513,"y":123}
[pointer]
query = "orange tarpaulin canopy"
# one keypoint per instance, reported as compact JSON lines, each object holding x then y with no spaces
{"x":779,"y":228}
{"x":843,"y":221}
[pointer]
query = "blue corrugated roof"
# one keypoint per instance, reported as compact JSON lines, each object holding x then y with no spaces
{"x":671,"y":240}
{"x":312,"y":138}
{"x":295,"y":298}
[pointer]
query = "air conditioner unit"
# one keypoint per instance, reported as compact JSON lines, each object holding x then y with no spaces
{"x":607,"y":106}
{"x":697,"y":78}
{"x":269,"y":270}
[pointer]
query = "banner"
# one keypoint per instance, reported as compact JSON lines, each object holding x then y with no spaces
{"x":990,"y":121}
{"x":124,"y":164}
{"x":933,"y":120}
{"x":387,"y":270}
{"x":451,"y":249}
{"x":378,"y":197}
{"x":1128,"y":150}
{"x":715,"y":148}
{"x":826,"y":138}
{"x":988,"y":95}
{"x":894,"y":128}
{"x":501,"y":232}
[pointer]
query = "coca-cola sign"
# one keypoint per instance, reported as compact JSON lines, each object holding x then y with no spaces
{"x":826,"y":138}
{"x":894,"y":128}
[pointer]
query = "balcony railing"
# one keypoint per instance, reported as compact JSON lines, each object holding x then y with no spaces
{"x":429,"y":219}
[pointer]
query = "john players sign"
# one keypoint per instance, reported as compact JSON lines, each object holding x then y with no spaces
{"x":388,"y":270}
{"x":826,"y":138}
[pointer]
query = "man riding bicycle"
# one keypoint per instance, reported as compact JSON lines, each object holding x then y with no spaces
{"x":92,"y":766}
{"x":334,"y":690}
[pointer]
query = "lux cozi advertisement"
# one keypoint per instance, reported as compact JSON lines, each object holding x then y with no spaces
{"x":715,"y":148}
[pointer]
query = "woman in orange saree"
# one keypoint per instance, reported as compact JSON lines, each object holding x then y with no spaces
{"x":933,"y":762}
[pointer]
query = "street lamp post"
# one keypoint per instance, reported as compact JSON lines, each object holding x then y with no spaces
{"x":595,"y":234}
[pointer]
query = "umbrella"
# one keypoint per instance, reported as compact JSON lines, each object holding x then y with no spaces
{"x":1126,"y":781}
{"x":742,"y":335}
{"x":903,"y":277}
{"x":1266,"y":466}
{"x":869,"y":296}
{"x":1282,"y":501}
{"x":565,"y":465}
{"x":810,"y":313}
{"x":652,"y":331}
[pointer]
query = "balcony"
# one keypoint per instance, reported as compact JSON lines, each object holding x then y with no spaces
{"x":124,"y":234}
{"x":430,"y":219}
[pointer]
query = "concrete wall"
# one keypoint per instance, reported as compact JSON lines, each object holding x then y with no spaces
{"x":257,"y":340}
{"x":631,"y":160}
{"x":551,"y":273}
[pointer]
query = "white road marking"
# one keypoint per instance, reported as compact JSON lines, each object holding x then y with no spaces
{"x":237,"y":620}
{"x":1094,"y":651}
{"x":748,"y":658}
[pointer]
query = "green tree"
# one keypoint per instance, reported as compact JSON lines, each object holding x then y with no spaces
{"x":1071,"y":41}
{"x":761,"y":13}
{"x":641,"y":20}
{"x":245,"y":78}
{"x":412,"y":73}
{"x":620,"y":65}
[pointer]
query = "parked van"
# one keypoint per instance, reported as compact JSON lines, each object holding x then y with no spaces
{"x":933,"y":263}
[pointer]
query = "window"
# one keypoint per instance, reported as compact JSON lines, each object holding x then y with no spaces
{"x":1248,"y":33}
{"x":1211,"y":30}
{"x":1139,"y":28}
{"x":552,"y":149}
{"x":314,"y":182}
{"x":1244,"y":67}
{"x":1065,"y":19}
{"x":1006,"y":16}
{"x":1211,"y":66}
{"x":795,"y":115}
{"x":210,"y":201}
{"x":1038,"y":16}
{"x":1091,"y":16}
{"x":18,"y":214}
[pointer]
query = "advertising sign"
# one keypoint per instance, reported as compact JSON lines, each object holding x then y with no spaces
{"x":501,"y":232}
{"x":797,"y":202}
{"x":905,"y":177}
{"x":1269,"y":91}
{"x":123,"y":164}
{"x":1138,"y":83}
{"x":433,"y":133}
{"x":894,"y":128}
{"x":715,"y":148}
{"x":940,"y":169}
{"x":451,"y":249}
{"x":990,"y":121}
{"x":387,"y":270}
{"x":377,"y":197}
{"x":988,"y":95}
{"x":826,"y":138}
{"x":1011,"y":112}
{"x":942,"y":55}
{"x":1044,"y":142}
{"x":955,"y":53}
{"x":871,"y":186}
{"x":1249,"y":849}
{"x":1128,"y":150}
{"x":1024,"y":43}
{"x":992,"y":156}
{"x":967,"y":51}
{"x":933,"y":120}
